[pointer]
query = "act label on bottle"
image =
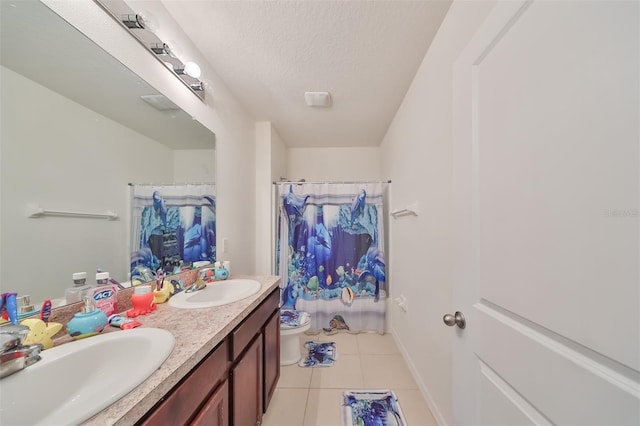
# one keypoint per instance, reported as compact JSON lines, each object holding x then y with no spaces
{"x":105,"y":298}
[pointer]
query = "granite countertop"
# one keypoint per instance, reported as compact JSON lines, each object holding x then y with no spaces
{"x":197,"y":332}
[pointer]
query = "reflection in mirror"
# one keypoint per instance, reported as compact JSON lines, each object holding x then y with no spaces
{"x":75,"y":130}
{"x":173,"y":226}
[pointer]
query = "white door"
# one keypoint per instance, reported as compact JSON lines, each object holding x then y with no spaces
{"x":546,"y":187}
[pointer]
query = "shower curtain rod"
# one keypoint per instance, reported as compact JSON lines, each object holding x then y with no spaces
{"x":172,"y":184}
{"x":300,"y":183}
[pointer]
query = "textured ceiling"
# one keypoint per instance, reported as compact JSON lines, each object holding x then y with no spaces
{"x":270,"y":52}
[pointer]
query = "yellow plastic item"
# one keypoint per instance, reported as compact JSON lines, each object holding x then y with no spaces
{"x":40,"y":332}
{"x":161,"y":296}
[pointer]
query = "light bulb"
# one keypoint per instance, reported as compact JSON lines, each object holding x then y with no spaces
{"x":150,"y":21}
{"x":176,"y":50}
{"x":208,"y":86}
{"x":192,"y":69}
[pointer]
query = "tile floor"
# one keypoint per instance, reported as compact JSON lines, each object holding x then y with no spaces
{"x":311,"y":396}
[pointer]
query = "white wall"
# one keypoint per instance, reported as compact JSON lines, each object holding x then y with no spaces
{"x":221,"y":113}
{"x":334,"y":164}
{"x":418,"y":159}
{"x":279,"y":154}
{"x":37,"y":167}
{"x":263,"y":197}
{"x":194,"y":165}
{"x":279,"y":158}
{"x":271,"y":163}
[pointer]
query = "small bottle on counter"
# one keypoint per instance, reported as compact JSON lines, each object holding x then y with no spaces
{"x":79,"y":290}
{"x":102,"y":278}
{"x":105,"y":295}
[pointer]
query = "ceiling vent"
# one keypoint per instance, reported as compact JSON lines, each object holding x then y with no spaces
{"x":318,"y":99}
{"x":159,"y":102}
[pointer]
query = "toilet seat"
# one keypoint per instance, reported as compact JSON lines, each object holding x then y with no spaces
{"x":295,"y":330}
{"x":292,"y":323}
{"x":290,"y":319}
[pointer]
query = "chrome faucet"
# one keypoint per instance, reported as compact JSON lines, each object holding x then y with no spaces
{"x":14,"y":356}
{"x":196,"y":286}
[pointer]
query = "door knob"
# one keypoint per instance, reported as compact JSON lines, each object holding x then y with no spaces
{"x":456,"y":319}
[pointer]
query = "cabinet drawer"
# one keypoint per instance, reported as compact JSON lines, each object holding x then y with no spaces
{"x":252,"y":325}
{"x":185,"y":399}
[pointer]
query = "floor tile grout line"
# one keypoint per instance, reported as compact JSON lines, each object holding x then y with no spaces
{"x":306,"y":405}
{"x":326,"y":386}
{"x":360,"y":361}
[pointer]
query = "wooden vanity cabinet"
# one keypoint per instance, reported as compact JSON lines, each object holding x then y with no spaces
{"x":216,"y":410}
{"x":255,"y":350}
{"x":205,"y":384}
{"x":234,"y":383}
{"x":246,"y":383}
{"x":271,"y":356}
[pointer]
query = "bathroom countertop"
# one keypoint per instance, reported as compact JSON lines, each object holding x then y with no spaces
{"x":197,"y":332}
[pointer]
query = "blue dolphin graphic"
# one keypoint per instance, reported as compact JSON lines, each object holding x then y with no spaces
{"x":210,"y":200}
{"x":294,"y":204}
{"x":357,"y":207}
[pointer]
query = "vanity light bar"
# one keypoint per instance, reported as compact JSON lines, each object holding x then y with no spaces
{"x":133,"y":21}
{"x":160,"y":48}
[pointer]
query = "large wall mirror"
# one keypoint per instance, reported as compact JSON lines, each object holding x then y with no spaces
{"x":77,"y":127}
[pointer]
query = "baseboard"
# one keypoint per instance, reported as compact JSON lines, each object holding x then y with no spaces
{"x":421,"y":385}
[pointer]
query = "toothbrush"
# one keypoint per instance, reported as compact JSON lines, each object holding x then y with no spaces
{"x":12,"y":307}
{"x":159,"y":278}
{"x":45,"y":312}
{"x":3,"y":306}
{"x":116,"y":283}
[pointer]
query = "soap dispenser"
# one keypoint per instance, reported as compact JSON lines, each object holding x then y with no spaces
{"x":221,"y":273}
{"x":88,"y":322}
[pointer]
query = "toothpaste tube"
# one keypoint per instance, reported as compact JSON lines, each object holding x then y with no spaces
{"x":116,"y":320}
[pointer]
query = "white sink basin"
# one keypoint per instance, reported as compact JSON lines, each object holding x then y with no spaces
{"x":217,"y":293}
{"x":77,"y":380}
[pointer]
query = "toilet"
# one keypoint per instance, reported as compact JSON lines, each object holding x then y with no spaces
{"x":292,"y":324}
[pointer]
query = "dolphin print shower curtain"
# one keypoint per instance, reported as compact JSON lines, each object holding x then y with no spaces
{"x":330,"y":254}
{"x":170,"y":225}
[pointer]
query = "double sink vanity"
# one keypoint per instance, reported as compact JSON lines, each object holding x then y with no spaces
{"x":187,"y":363}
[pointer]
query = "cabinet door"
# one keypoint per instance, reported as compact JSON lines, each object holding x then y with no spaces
{"x":253,"y":324}
{"x":271,"y":357}
{"x":247,"y":386}
{"x":216,"y":410}
{"x":183,"y":401}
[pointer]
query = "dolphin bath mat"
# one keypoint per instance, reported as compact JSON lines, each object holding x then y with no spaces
{"x":371,"y":407}
{"x":321,"y":354}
